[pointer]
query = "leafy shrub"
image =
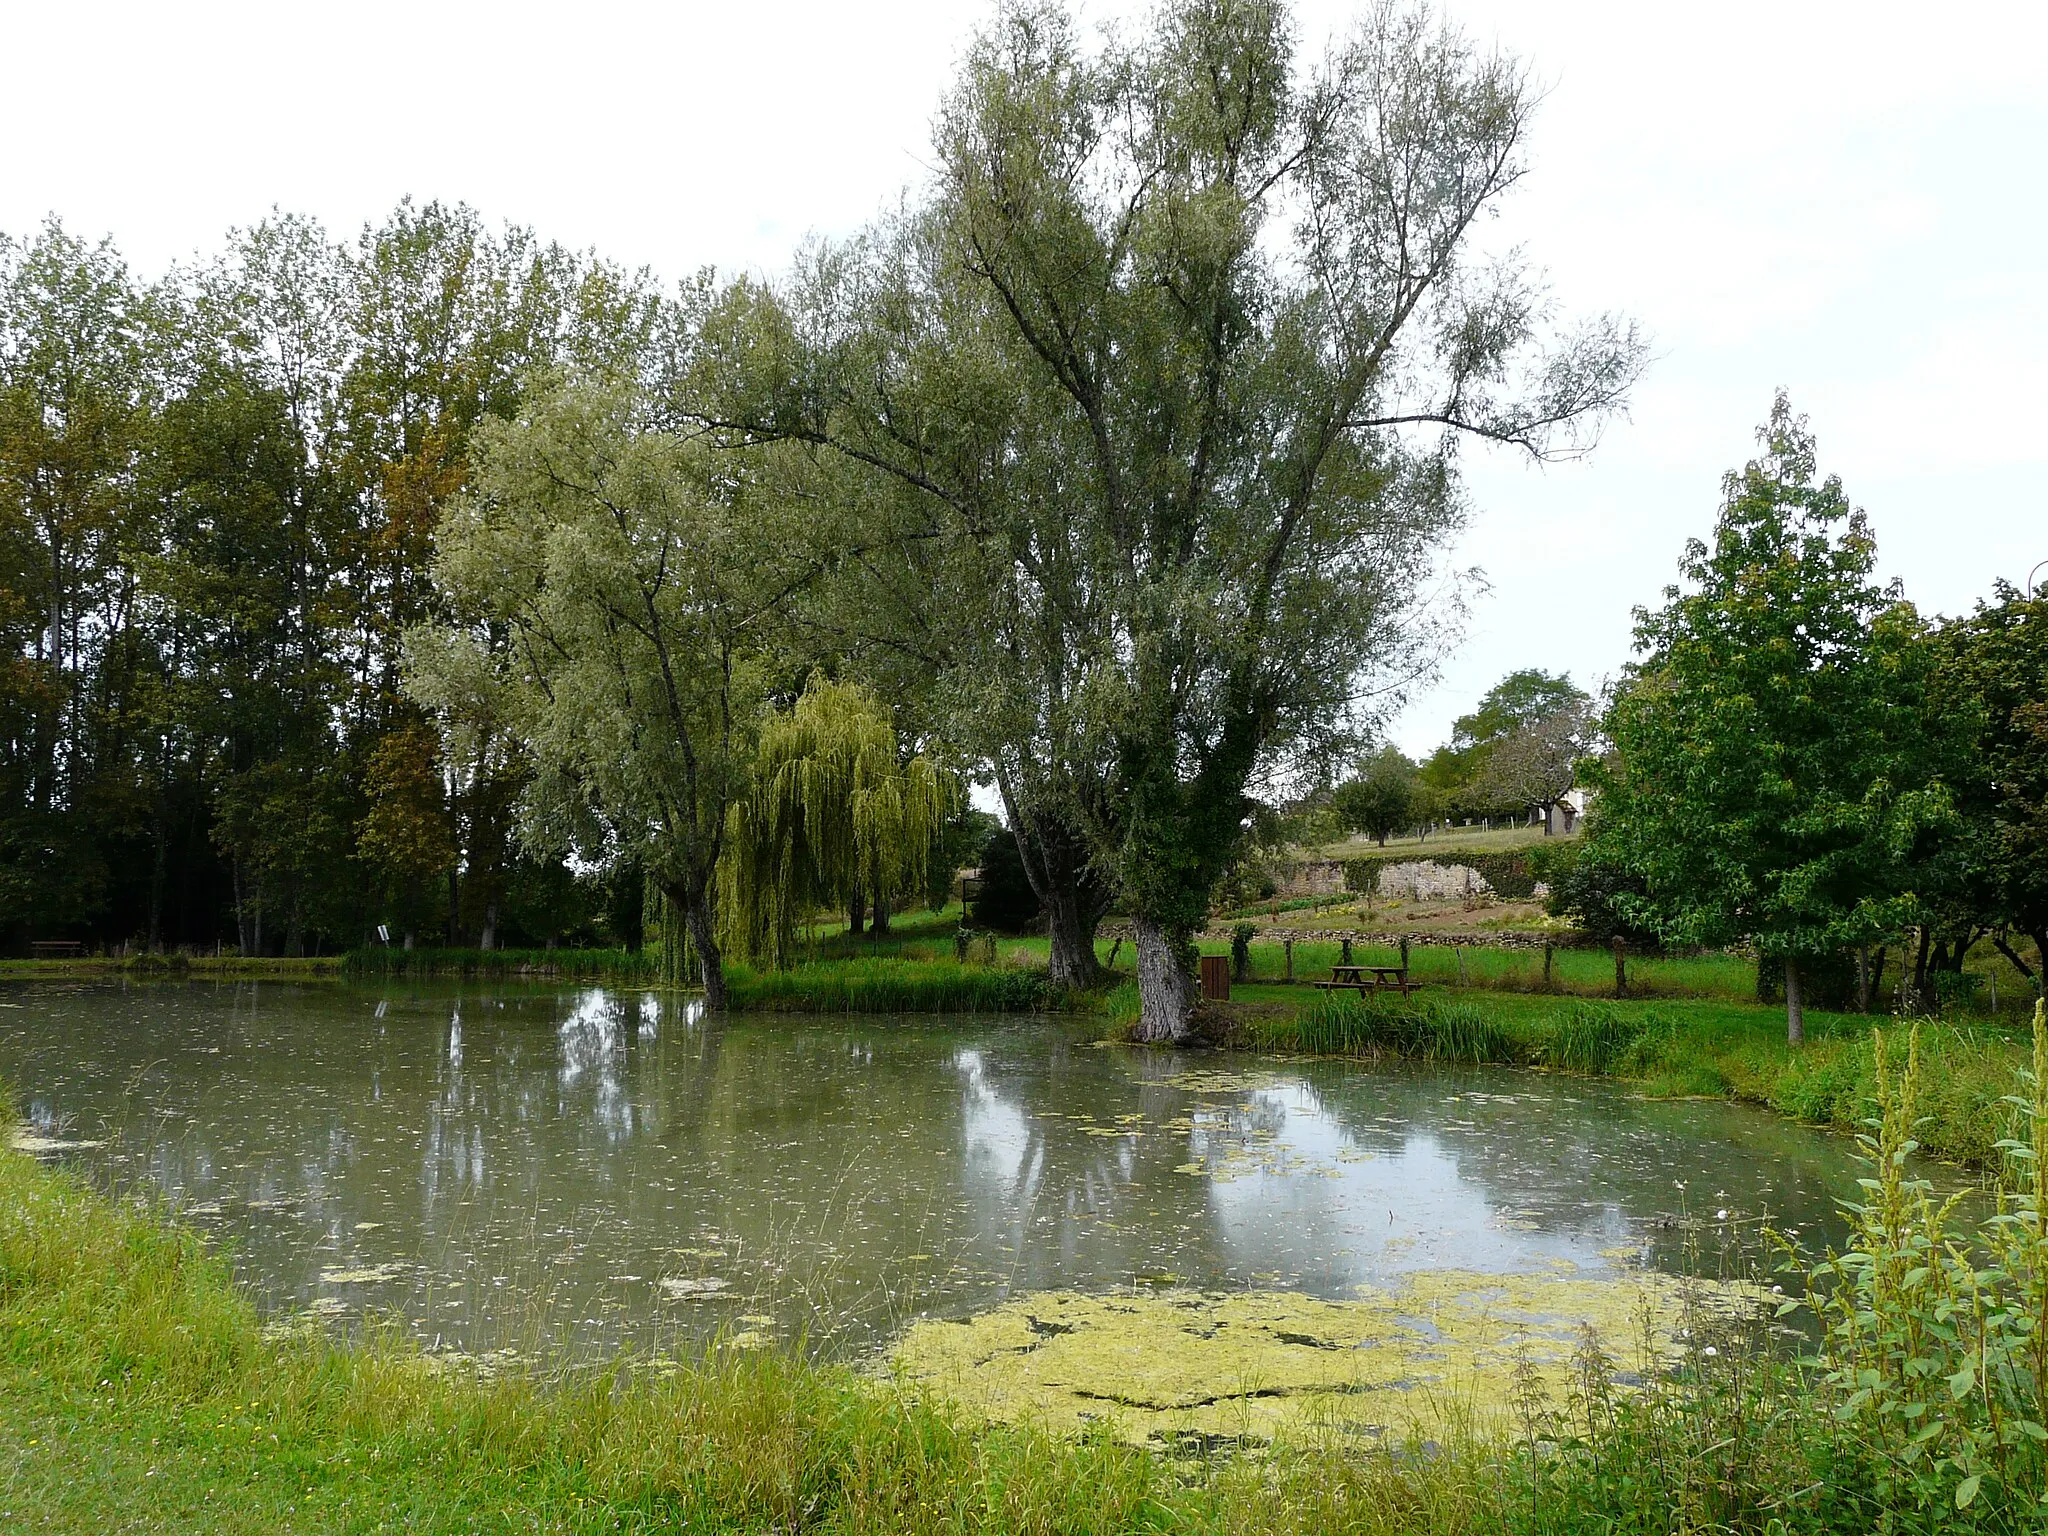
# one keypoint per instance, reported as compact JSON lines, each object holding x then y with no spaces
{"x":1935,"y":1343}
{"x":1584,"y":888}
{"x":1241,"y":951}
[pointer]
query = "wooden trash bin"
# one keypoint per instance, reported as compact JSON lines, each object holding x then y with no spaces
{"x":1216,"y":978}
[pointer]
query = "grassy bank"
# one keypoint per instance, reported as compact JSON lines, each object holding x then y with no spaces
{"x":895,"y":986}
{"x":1677,"y":1049}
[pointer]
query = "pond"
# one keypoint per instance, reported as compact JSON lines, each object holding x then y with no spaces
{"x":512,"y":1165}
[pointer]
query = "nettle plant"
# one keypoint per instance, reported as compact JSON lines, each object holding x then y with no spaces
{"x":1935,"y":1335}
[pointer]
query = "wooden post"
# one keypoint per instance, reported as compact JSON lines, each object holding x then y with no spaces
{"x":1344,"y":952}
{"x":1620,"y":966}
{"x":1404,"y":951}
{"x":1113,"y":949}
{"x":1546,"y":966}
{"x":1459,"y":951}
{"x":1288,"y":945}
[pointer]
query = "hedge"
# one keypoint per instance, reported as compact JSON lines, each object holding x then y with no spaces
{"x":1509,"y":873}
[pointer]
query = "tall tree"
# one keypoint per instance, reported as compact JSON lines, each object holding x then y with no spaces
{"x":1153,"y":347}
{"x":635,"y":575}
{"x":1989,"y":694}
{"x":1765,"y":783}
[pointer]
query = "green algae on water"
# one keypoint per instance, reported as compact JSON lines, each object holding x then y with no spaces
{"x":1274,"y":1365}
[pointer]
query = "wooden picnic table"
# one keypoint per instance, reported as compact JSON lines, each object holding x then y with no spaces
{"x":1385,"y":978}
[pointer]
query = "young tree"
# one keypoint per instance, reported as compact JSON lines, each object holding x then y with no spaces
{"x":1380,"y":799}
{"x":635,"y":576}
{"x":1763,"y":784}
{"x":1150,"y":351}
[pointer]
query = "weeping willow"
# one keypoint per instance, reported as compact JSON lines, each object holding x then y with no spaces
{"x":834,"y":811}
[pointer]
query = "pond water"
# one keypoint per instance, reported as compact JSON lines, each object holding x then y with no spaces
{"x":517,"y":1166}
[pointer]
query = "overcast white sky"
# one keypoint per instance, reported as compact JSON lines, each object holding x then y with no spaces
{"x":1844,"y":199}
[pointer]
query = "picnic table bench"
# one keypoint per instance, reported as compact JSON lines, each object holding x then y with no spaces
{"x":54,"y":949}
{"x":1370,"y":978}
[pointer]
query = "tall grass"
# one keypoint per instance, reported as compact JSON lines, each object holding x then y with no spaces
{"x":894,"y":986}
{"x":1428,"y":1031}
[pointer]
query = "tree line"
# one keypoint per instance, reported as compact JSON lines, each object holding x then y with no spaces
{"x":431,"y":579}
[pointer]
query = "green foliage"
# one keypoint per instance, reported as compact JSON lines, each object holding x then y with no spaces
{"x":1430,"y":1031}
{"x":896,"y":986}
{"x":1381,"y":799}
{"x":1003,"y":898}
{"x":1241,"y":937}
{"x":1592,"y":1041}
{"x":1936,"y":1341}
{"x":1769,"y":778}
{"x":1989,"y":694}
{"x":1601,"y":896}
{"x":834,"y":814}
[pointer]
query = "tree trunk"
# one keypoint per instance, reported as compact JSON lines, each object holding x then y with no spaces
{"x":1863,"y":978}
{"x":1073,"y":964}
{"x":488,"y":939}
{"x":1877,"y":974}
{"x":1166,"y":989}
{"x":697,"y":918}
{"x":454,"y":907}
{"x":856,"y":913}
{"x":880,"y":927}
{"x":1920,"y":971}
{"x":1795,"y":1004}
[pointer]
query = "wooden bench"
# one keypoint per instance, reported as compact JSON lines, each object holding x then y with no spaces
{"x":55,"y":949}
{"x":1369,"y":978}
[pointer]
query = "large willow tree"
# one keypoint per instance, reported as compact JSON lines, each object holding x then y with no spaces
{"x":835,"y":815}
{"x":1172,"y":351}
{"x":615,"y":585}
